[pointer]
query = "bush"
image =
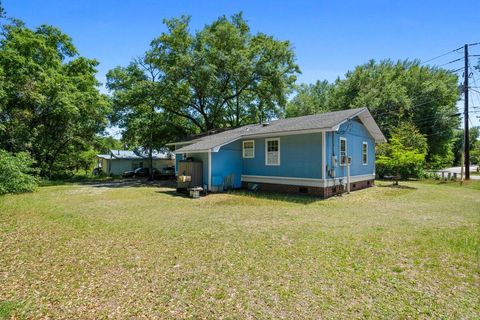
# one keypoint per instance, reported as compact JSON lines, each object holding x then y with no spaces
{"x":475,"y":153}
{"x":16,"y":173}
{"x":404,"y":156}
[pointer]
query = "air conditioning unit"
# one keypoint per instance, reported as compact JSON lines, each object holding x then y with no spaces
{"x":346,"y":160}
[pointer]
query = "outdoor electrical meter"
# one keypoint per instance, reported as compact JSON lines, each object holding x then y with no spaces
{"x":334,"y":161}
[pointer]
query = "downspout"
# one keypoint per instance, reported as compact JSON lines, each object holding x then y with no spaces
{"x":324,"y":155}
{"x":209,"y":170}
{"x":334,"y":166}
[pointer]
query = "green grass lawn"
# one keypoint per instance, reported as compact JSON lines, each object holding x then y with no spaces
{"x":85,"y":251}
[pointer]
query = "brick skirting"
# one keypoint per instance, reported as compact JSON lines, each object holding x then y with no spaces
{"x":312,"y":191}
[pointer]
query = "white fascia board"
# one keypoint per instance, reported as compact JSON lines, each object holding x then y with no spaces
{"x":367,"y":119}
{"x":217,"y":148}
{"x":192,"y":151}
{"x":372,"y":127}
{"x":182,"y":143}
{"x":285,"y":133}
{"x":337,"y":126}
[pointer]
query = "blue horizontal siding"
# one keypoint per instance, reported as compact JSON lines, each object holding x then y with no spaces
{"x":228,"y":161}
{"x":355,"y":133}
{"x":300,"y":157}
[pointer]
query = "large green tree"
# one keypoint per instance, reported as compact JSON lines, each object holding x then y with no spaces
{"x":222,"y":75}
{"x":138,"y":97}
{"x":405,"y":91}
{"x":309,"y":99}
{"x":50,"y":105}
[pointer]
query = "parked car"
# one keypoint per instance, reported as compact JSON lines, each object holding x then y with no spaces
{"x":145,"y":172}
{"x":128,"y":174}
{"x":139,"y":172}
{"x":168,"y":171}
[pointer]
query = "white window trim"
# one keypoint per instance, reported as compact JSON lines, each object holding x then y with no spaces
{"x":365,"y":143}
{"x":266,"y":152}
{"x":243,"y":149}
{"x":340,"y":151}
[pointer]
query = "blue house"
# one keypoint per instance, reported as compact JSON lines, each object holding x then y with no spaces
{"x":322,"y":154}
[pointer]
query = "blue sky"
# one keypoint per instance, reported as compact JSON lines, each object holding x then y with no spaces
{"x":329,"y":37}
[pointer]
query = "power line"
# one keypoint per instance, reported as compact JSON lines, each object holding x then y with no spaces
{"x":442,"y":55}
{"x":456,"y":70}
{"x":459,"y":59}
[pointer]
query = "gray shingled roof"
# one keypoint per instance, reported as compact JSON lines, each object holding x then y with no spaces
{"x":320,"y":121}
{"x":104,"y":156}
{"x":139,"y":154}
{"x":124,"y":154}
{"x":156,"y":154}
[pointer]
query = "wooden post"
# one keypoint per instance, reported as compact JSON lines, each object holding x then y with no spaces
{"x":461,"y":168}
{"x":466,"y":137}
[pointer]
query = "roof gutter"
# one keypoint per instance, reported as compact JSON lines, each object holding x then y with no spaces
{"x":180,"y":143}
{"x":285,"y":133}
{"x":192,"y":151}
{"x":337,"y":127}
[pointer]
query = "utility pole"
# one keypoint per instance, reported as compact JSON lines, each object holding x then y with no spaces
{"x":466,"y":142}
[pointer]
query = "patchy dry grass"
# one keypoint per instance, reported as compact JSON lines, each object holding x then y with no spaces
{"x":90,"y":252}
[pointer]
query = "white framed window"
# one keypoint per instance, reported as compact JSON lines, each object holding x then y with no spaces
{"x":248,"y":149}
{"x":343,"y":151}
{"x":364,"y":153}
{"x":272,"y":152}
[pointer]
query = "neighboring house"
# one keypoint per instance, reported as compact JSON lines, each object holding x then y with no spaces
{"x":306,"y":154}
{"x":119,"y":161}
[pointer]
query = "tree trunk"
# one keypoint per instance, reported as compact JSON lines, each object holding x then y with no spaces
{"x":237,"y":112}
{"x":150,"y":156}
{"x":150,"y":151}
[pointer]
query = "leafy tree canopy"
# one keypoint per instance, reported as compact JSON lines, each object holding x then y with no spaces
{"x":222,"y":75}
{"x":309,"y":99}
{"x":49,"y":102}
{"x":404,"y":155}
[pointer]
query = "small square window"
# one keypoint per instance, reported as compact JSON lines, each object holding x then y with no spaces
{"x":343,"y":151}
{"x":248,"y":149}
{"x":272,"y":152}
{"x":365,"y":153}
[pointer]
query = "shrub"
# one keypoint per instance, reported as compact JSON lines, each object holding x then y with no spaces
{"x":475,"y":153}
{"x":16,"y":173}
{"x":404,"y":155}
